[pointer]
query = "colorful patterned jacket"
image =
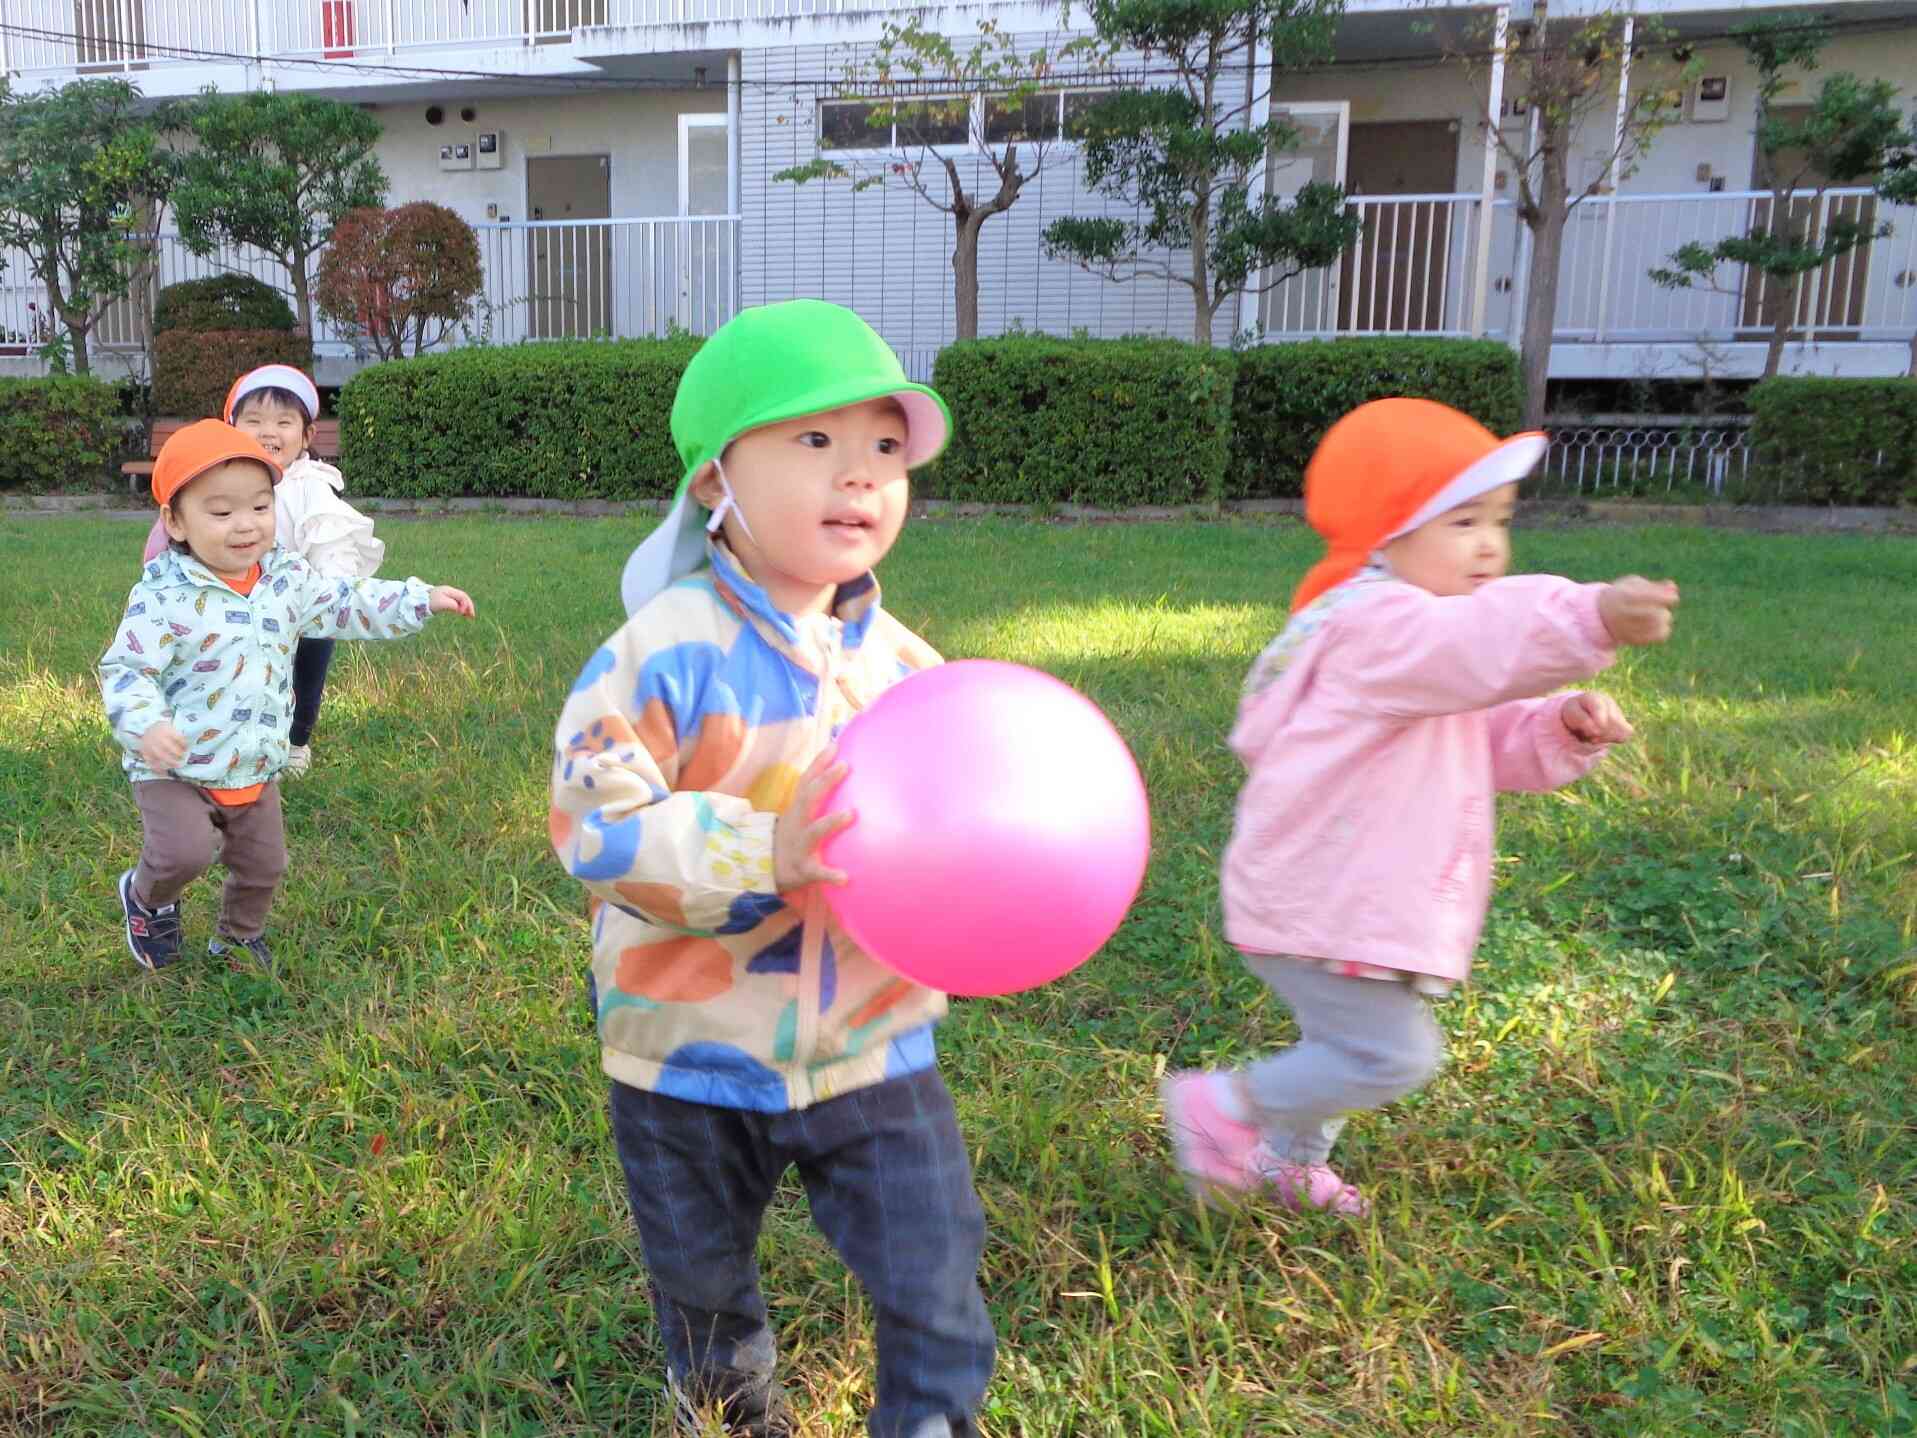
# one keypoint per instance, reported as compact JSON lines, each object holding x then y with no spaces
{"x":218,"y":663}
{"x":683,"y":739}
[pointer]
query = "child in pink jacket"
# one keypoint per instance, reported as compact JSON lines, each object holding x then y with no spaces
{"x":1413,"y":682}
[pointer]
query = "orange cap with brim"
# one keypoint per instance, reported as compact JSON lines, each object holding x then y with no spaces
{"x":1395,"y":464}
{"x":198,"y":447}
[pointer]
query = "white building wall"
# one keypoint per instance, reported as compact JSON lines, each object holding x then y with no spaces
{"x":637,"y":129}
{"x":887,"y":253}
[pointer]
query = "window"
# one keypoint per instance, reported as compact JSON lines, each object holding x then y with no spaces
{"x":1077,"y":102}
{"x":861,"y":125}
{"x":948,"y":121}
{"x":849,"y":127}
{"x":1034,"y":118}
{"x":1047,"y":115}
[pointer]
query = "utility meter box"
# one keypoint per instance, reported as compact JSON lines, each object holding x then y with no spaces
{"x":456,"y":156}
{"x":489,"y":150}
{"x":1711,"y":99}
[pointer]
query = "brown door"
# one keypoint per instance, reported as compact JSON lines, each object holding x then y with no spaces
{"x":570,"y":267}
{"x":1394,"y":278}
{"x":1834,"y":292}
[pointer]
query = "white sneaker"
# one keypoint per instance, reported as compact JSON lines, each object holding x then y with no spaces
{"x":299,"y":759}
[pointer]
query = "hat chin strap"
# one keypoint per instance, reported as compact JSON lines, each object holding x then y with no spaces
{"x":728,"y":504}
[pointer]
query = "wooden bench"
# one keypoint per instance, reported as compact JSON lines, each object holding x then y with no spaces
{"x":139,"y":472}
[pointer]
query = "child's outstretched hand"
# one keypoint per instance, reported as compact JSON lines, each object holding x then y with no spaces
{"x":1637,"y":610}
{"x":797,"y":836}
{"x":162,"y":747}
{"x":1595,"y":719}
{"x":447,"y":600}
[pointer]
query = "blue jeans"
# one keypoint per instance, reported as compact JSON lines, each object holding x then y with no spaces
{"x":890,"y":1185}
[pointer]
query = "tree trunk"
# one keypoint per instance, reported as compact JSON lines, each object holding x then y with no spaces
{"x":302,"y":295}
{"x":1203,"y":305}
{"x":1541,"y":310}
{"x":82,"y":363}
{"x":1786,"y":311}
{"x":965,"y":274}
{"x":59,"y":308}
{"x":1546,"y":216}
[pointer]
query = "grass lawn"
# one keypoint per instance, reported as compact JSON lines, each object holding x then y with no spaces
{"x":1666,"y":1185}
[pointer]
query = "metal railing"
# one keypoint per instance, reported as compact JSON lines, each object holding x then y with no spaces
{"x":1410,"y":271}
{"x":1640,"y":457}
{"x":104,"y":36}
{"x":558,"y":279}
{"x":547,"y":279}
{"x":1613,"y":242}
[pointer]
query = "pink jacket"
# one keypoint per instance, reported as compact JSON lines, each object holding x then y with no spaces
{"x":1364,"y":828}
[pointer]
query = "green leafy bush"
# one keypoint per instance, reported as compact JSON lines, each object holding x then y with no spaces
{"x":1837,"y":441}
{"x":221,"y":302}
{"x":562,"y":419}
{"x":1289,"y":394}
{"x":1111,"y":423}
{"x":192,"y":370}
{"x":58,"y":433}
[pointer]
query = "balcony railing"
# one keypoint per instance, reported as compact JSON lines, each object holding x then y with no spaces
{"x":1413,"y":271}
{"x":107,"y":36}
{"x":1414,"y":268}
{"x":552,"y":279}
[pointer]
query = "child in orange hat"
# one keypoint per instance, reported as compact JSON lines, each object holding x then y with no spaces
{"x":198,"y":680}
{"x":278,"y":405}
{"x":1413,"y":683}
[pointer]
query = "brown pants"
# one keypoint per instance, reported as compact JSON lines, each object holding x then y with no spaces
{"x":182,"y":821}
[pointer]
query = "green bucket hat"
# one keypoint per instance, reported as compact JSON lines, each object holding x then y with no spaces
{"x":766,"y":365}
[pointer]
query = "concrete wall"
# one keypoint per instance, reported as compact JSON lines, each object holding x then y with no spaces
{"x":638,"y":129}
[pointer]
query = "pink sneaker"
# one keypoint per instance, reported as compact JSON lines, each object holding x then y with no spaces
{"x":1307,"y":1185}
{"x":1211,"y":1150}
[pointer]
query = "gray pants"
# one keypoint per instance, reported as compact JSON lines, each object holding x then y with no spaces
{"x":1363,"y":1043}
{"x":182,"y":821}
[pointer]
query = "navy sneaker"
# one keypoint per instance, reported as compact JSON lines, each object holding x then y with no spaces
{"x":153,"y":935}
{"x":226,"y":946}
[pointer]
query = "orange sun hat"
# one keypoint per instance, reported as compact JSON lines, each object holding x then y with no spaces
{"x":1395,"y":464}
{"x":198,"y":447}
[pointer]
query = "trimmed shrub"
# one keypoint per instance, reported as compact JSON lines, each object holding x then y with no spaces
{"x":57,"y":433}
{"x":1838,"y":441}
{"x":1110,"y":423}
{"x":559,"y":419}
{"x":1289,"y":394}
{"x":221,"y":302}
{"x":192,"y":371}
{"x":401,"y":278}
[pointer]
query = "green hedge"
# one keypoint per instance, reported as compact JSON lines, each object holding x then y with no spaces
{"x":1109,"y":423}
{"x":193,"y":370}
{"x":59,"y":433}
{"x":221,"y":302}
{"x":561,"y":419}
{"x":1838,"y":441}
{"x":1289,"y":394}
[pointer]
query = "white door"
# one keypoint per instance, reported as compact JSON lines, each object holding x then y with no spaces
{"x":704,"y":248}
{"x":1307,"y":303}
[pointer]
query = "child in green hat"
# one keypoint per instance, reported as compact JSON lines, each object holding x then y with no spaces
{"x":744,"y":1032}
